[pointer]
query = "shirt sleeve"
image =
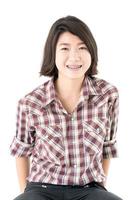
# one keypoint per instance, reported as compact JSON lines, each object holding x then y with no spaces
{"x":110,"y":142}
{"x":23,"y":142}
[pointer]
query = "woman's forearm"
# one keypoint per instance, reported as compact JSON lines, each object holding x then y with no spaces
{"x":22,"y":166}
{"x":106,"y":164}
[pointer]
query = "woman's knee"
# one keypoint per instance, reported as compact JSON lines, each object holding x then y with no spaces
{"x":31,"y":195}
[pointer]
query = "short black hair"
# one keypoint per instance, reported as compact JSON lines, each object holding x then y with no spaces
{"x":77,"y":27}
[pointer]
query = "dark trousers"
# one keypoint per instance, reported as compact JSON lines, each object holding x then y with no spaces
{"x":40,"y":191}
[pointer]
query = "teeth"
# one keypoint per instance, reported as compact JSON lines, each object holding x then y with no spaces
{"x":74,"y":67}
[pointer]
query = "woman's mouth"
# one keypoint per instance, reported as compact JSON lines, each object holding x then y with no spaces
{"x":74,"y":67}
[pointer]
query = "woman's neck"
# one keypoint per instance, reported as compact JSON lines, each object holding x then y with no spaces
{"x":67,"y":88}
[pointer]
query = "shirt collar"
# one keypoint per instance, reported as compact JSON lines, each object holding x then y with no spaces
{"x":89,"y":88}
{"x":49,"y":93}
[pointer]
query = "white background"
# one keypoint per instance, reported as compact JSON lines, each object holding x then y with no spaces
{"x":24,"y":25}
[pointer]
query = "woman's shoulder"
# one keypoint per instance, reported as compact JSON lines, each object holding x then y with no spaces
{"x":35,"y":96}
{"x":105,"y":86}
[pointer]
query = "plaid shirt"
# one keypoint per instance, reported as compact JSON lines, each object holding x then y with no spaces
{"x":66,"y":148}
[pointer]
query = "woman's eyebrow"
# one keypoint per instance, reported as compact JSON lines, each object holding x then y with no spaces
{"x":64,"y":43}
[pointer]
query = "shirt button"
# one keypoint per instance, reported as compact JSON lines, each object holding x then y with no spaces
{"x":72,"y":118}
{"x":75,"y":166}
{"x":98,"y":130}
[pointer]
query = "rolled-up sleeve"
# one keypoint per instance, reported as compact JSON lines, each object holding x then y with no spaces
{"x":23,"y":142}
{"x":110,"y":142}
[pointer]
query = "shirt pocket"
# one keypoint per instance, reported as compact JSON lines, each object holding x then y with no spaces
{"x":93,"y":136}
{"x":50,"y":142}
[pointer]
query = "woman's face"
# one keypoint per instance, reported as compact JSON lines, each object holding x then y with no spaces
{"x":72,"y":56}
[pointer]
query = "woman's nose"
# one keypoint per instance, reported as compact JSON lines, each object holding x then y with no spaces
{"x":74,"y":55}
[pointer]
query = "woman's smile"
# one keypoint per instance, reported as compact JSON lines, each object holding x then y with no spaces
{"x":74,"y":67}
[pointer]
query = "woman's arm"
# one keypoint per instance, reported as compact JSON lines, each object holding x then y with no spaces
{"x":22,"y":166}
{"x":106,"y":164}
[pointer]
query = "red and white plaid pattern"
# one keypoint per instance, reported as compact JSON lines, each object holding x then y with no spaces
{"x":67,"y":148}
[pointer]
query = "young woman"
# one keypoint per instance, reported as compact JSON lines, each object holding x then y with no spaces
{"x":68,"y":124}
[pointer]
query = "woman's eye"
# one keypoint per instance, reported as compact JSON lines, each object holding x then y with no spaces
{"x":83,"y":48}
{"x":64,"y":48}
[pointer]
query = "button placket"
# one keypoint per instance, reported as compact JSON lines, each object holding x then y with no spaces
{"x":74,"y":165}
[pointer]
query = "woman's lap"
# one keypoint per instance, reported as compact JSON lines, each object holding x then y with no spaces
{"x":99,"y":194}
{"x":31,"y":195}
{"x":91,"y":193}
